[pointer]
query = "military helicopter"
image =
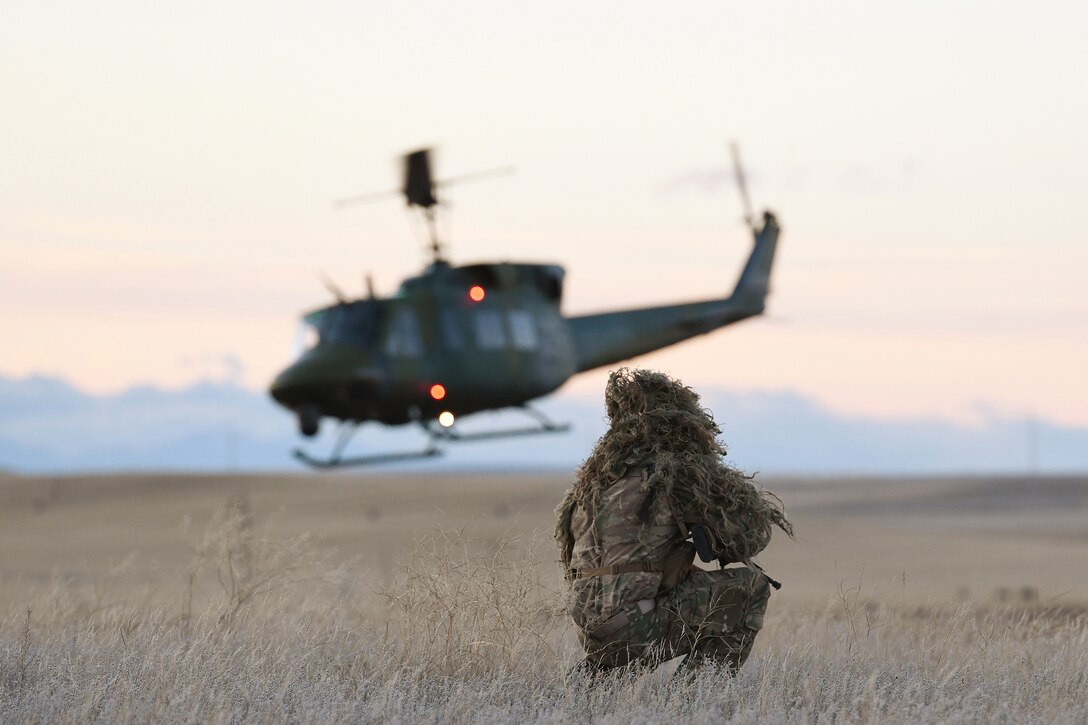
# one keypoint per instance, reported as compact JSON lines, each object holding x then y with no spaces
{"x":457,"y":340}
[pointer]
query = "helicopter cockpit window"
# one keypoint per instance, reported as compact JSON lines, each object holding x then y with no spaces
{"x":307,"y":337}
{"x":351,"y":323}
{"x":404,"y":339}
{"x":490,"y":334}
{"x":522,"y":329}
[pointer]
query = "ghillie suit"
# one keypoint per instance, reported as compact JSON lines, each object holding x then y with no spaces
{"x":655,"y":476}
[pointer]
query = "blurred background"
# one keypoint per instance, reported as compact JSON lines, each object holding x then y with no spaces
{"x":167,"y":175}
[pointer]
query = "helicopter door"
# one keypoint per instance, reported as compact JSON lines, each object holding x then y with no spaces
{"x":555,"y":359}
{"x":403,"y":339}
{"x":453,"y":336}
{"x":489,"y":329}
{"x":404,"y":346}
{"x":523,"y":331}
{"x":494,"y":365}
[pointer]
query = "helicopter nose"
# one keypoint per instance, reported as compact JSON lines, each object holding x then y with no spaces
{"x":294,"y":388}
{"x":289,"y":391}
{"x":315,"y":380}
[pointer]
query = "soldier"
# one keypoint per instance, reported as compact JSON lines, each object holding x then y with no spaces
{"x":655,"y":479}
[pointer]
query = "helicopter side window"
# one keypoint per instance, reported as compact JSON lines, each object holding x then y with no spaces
{"x":452,"y":333}
{"x":404,"y":339}
{"x":522,"y":330}
{"x":490,"y":334}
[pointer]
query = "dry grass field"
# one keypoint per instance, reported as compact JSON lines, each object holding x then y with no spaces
{"x":385,"y":597}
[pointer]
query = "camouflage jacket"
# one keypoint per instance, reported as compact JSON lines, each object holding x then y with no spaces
{"x":619,"y":534}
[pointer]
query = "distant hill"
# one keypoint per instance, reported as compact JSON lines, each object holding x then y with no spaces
{"x":47,"y":425}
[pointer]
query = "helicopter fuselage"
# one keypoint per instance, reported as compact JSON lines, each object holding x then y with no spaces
{"x":454,"y":339}
{"x":458,"y":340}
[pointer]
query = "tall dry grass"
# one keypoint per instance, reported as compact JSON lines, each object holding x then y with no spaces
{"x":262,"y":628}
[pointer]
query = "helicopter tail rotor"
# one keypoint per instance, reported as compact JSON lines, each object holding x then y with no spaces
{"x":742,"y":185}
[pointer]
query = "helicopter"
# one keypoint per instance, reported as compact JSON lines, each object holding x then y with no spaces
{"x":458,"y":340}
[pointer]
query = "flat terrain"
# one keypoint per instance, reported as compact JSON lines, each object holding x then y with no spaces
{"x":383,"y":597}
{"x":923,"y":540}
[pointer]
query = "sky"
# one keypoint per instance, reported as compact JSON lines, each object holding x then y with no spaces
{"x":167,"y":173}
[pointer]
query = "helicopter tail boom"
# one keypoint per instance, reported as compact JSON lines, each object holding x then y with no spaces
{"x":610,"y":337}
{"x":755,"y":279}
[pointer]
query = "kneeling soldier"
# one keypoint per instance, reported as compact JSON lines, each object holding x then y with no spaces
{"x":655,"y":480}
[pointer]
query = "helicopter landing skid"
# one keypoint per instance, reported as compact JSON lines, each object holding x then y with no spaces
{"x":545,"y":426}
{"x":437,"y":435}
{"x":335,"y":460}
{"x":488,"y":435}
{"x":428,"y":452}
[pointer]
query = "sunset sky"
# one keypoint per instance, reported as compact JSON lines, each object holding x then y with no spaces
{"x":167,"y":172}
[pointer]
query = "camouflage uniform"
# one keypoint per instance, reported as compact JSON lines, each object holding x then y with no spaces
{"x":633,"y":596}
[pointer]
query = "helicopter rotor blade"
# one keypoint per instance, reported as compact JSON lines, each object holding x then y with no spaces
{"x":419,"y":186}
{"x":364,"y":198}
{"x":478,"y":176}
{"x":419,"y":190}
{"x":742,"y":184}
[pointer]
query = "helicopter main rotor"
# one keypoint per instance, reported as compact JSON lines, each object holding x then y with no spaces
{"x":420,"y":190}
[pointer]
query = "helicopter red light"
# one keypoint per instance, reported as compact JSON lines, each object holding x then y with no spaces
{"x":438,"y":391}
{"x":476,"y":293}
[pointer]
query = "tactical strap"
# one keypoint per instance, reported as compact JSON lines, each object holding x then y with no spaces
{"x":776,"y":584}
{"x":632,"y":568}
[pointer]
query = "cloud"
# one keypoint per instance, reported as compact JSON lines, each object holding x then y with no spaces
{"x":707,"y":179}
{"x":870,"y":179}
{"x":225,"y":367}
{"x":234,"y":369}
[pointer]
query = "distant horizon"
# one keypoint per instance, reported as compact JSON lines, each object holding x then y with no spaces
{"x":48,"y":425}
{"x":391,"y":471}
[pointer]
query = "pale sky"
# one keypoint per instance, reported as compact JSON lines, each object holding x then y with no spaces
{"x":166,"y":174}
